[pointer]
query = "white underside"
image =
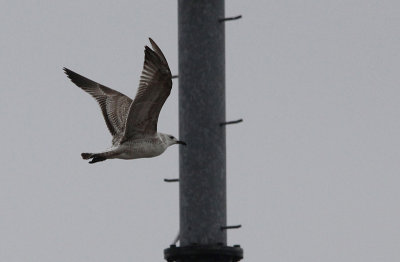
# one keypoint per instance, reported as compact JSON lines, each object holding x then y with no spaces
{"x":143,"y":148}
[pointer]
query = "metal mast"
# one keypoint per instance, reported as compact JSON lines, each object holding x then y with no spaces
{"x":201,"y":110}
{"x":202,"y":179}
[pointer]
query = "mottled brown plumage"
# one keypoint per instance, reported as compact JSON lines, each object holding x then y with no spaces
{"x":133,"y":123}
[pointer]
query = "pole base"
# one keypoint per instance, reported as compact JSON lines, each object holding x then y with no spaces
{"x":218,"y":253}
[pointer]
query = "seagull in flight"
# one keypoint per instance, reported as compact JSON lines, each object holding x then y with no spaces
{"x":133,"y":123}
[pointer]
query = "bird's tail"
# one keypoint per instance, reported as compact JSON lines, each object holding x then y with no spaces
{"x":94,"y":157}
{"x":87,"y":156}
{"x":97,"y":157}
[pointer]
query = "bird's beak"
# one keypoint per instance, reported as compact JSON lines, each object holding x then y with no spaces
{"x":181,"y":142}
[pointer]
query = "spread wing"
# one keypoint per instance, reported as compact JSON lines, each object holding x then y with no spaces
{"x":154,"y":88}
{"x":113,"y":104}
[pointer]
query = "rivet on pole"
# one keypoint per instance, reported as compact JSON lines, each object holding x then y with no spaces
{"x":231,"y":122}
{"x":229,"y":18}
{"x":230,"y":227}
{"x":171,"y":179}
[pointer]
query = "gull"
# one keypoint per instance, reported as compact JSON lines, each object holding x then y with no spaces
{"x":133,"y":123}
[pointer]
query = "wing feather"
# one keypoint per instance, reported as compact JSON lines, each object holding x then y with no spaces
{"x":113,"y":104}
{"x":154,"y":88}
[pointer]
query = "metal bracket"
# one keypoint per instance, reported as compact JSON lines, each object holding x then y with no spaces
{"x":230,"y":227}
{"x":231,"y":122}
{"x":229,"y":18}
{"x":171,"y":179}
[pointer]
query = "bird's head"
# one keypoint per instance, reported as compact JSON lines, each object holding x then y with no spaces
{"x":171,"y":140}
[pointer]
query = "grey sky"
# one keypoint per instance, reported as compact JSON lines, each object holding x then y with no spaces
{"x":313,"y":172}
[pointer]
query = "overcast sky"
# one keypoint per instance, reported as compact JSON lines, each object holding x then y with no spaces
{"x":313,"y":171}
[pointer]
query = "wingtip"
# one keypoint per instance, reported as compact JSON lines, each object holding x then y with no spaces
{"x":151,"y":41}
{"x":153,"y":44}
{"x":146,"y":47}
{"x":155,"y":48}
{"x":67,"y":71}
{"x":76,"y":78}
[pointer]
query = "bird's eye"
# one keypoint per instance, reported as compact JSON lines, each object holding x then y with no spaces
{"x":171,"y":137}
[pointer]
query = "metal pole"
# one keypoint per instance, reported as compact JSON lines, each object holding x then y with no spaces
{"x":201,"y":110}
{"x":202,"y":177}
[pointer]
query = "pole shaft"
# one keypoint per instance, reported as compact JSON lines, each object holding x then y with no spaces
{"x":201,"y":110}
